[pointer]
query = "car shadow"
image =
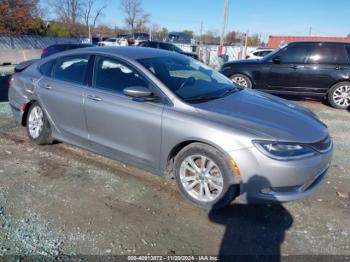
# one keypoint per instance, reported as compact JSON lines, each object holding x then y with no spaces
{"x":252,"y":231}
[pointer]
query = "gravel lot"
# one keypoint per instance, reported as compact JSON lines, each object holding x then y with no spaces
{"x":60,"y":200}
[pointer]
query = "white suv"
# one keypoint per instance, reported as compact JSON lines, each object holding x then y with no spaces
{"x":259,"y":53}
{"x":114,"y":42}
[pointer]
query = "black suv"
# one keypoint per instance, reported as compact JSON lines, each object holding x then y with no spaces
{"x":167,"y":46}
{"x":304,"y":69}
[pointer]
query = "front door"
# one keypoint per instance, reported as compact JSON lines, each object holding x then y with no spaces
{"x":326,"y":64}
{"x":286,"y":67}
{"x":119,"y":126}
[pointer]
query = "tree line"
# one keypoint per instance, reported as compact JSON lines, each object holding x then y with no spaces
{"x":78,"y":18}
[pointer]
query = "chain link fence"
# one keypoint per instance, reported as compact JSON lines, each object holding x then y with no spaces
{"x":33,"y":42}
{"x":209,"y":54}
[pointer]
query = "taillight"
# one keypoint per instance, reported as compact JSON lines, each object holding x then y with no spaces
{"x":9,"y":78}
{"x":23,"y":107}
{"x":45,"y":51}
{"x":247,"y":56}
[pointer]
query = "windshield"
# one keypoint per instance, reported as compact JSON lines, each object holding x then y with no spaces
{"x":189,"y":79}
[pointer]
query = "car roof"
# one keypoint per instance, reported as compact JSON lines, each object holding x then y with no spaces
{"x":130,"y":52}
{"x":155,"y":41}
{"x":319,"y":42}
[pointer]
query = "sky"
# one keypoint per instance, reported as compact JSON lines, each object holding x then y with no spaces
{"x":264,"y":17}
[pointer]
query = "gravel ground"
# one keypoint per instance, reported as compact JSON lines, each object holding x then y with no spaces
{"x":60,"y":200}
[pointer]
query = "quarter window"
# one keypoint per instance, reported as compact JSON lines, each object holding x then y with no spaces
{"x":46,"y":69}
{"x":72,"y":69}
{"x":115,"y":76}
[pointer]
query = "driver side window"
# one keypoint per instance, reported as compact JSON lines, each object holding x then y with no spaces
{"x":295,"y":54}
{"x":113,"y":75}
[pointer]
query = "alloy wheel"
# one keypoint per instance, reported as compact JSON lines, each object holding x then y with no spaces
{"x":341,"y":96}
{"x":36,"y":122}
{"x":201,"y":178}
{"x":241,"y":81}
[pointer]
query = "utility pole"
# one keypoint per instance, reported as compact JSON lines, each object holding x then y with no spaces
{"x":201,"y":33}
{"x":310,"y":30}
{"x":224,"y":23}
{"x":246,"y":43}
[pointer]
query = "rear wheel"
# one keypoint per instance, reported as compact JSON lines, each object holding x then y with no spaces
{"x":38,"y":127}
{"x":241,"y":80}
{"x":204,"y":176}
{"x":339,"y":95}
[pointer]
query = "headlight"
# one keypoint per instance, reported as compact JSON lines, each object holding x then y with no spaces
{"x":284,"y":151}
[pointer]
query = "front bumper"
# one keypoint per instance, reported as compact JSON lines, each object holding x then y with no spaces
{"x":265,"y":180}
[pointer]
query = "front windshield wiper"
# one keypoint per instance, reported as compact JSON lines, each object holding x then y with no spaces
{"x":212,"y":97}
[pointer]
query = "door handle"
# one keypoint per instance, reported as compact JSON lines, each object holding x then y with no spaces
{"x":94,"y":98}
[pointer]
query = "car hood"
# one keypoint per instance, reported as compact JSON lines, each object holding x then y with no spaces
{"x":265,"y":115}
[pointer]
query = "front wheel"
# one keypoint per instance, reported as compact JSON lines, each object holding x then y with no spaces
{"x":339,"y":95}
{"x":205,"y":177}
{"x":241,"y":80}
{"x":38,"y":127}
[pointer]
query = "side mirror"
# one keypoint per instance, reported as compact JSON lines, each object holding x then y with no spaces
{"x":276,"y":59}
{"x":139,"y":92}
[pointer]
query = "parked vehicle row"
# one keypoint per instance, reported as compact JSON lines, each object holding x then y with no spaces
{"x":171,"y":115}
{"x":303,"y":69}
{"x":167,"y":46}
{"x":125,"y":40}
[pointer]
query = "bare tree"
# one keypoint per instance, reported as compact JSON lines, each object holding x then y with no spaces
{"x":91,"y":13}
{"x":135,"y":17}
{"x":68,"y":12}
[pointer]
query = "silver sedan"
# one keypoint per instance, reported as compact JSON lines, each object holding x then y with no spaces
{"x":173,"y":116}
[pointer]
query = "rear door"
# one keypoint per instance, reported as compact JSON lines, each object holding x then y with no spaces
{"x":119,"y":126}
{"x":61,"y":92}
{"x":326,"y":65}
{"x":283,"y":75}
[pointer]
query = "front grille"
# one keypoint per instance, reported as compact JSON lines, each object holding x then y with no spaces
{"x":323,"y":145}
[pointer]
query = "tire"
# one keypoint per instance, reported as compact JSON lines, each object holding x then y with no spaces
{"x":228,"y":181}
{"x":335,"y":95}
{"x":38,"y":126}
{"x":241,"y":80}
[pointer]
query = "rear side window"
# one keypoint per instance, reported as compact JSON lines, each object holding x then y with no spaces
{"x":113,"y":75}
{"x":328,"y":54}
{"x":71,"y":69}
{"x":295,"y":54}
{"x":46,"y":69}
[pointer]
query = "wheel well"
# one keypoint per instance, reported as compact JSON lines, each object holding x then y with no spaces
{"x":25,"y":112}
{"x":341,"y":81}
{"x":243,"y":74}
{"x":173,"y":153}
